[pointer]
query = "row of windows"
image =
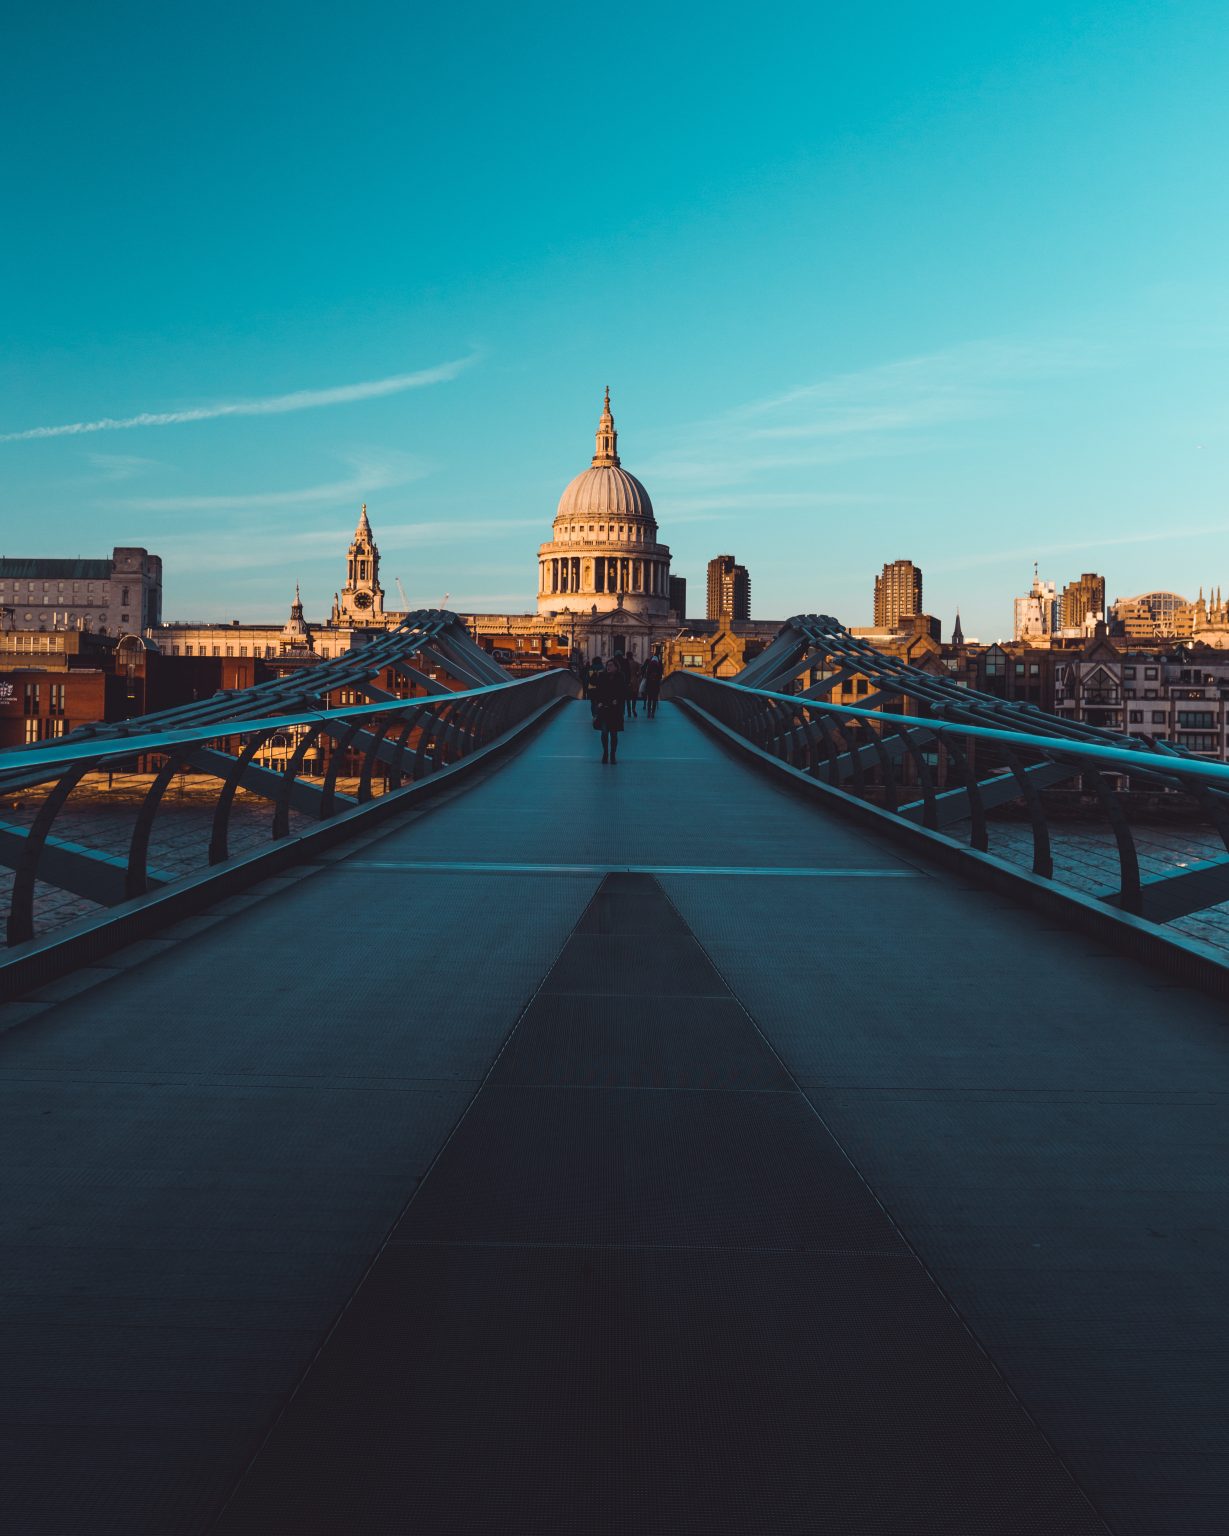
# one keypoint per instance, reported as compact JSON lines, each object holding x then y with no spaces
{"x":32,"y":694}
{"x":43,"y":730}
{"x":231,"y":650}
{"x":30,"y":594}
{"x":1188,"y":719}
{"x":618,"y":533}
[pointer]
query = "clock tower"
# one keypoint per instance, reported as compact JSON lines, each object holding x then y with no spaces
{"x":361,"y":600}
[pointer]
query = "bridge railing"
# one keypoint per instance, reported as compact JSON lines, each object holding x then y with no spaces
{"x":973,"y":786}
{"x":331,"y":767}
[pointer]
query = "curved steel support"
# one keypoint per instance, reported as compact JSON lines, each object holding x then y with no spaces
{"x":978,"y":835}
{"x":835,"y":777}
{"x":136,"y":878}
{"x":394,"y":768}
{"x":1130,"y":897}
{"x":1043,"y":859}
{"x":369,"y":762}
{"x":219,"y":835}
{"x":851,"y":735}
{"x":281,"y":806}
{"x":886,"y":766}
{"x":428,"y":744}
{"x":21,"y":907}
{"x":926,"y":782}
{"x":337,"y":757}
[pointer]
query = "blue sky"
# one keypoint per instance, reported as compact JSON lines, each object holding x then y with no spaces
{"x":867,"y":282}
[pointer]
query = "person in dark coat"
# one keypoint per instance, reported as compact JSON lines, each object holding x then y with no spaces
{"x":609,"y":697}
{"x":633,"y":688}
{"x":653,"y":670}
{"x":596,"y":668}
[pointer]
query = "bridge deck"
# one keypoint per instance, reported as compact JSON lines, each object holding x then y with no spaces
{"x":470,"y":1182}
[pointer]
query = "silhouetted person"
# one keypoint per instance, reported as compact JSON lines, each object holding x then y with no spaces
{"x":653,"y":670}
{"x":596,"y":667}
{"x":609,"y":698}
{"x":632,"y":673}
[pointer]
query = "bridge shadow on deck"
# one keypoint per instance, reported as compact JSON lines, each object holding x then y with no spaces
{"x":433,"y":1195}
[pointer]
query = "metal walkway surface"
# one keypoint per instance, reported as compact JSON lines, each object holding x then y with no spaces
{"x":628,"y":1148}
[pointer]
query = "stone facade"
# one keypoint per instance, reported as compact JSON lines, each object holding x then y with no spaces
{"x":122,"y":595}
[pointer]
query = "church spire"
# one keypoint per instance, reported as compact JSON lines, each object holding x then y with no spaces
{"x":607,"y":453}
{"x":957,"y":631}
{"x":363,"y":525}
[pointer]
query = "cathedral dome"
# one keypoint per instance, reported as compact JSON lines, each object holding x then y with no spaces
{"x":604,"y":556}
{"x":604,"y":490}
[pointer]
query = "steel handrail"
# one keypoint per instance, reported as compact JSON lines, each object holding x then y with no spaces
{"x":1064,"y":747}
{"x":100,"y":749}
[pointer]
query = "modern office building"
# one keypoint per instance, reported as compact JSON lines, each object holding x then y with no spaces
{"x":729,"y":589}
{"x":1082,"y":600}
{"x":898,"y":594}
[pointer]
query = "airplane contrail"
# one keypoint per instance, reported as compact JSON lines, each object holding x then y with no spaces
{"x":273,"y":405}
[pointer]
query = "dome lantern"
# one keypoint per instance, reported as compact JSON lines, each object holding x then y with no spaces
{"x":607,"y":454}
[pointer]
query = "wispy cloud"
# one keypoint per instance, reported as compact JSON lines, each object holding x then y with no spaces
{"x":890,"y":409}
{"x":722,"y":505}
{"x":120,"y":466}
{"x":372,"y":472}
{"x":271,"y":405}
{"x":1166,"y":535}
{"x":235,"y":549}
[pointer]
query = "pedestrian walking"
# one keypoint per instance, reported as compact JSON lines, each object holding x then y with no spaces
{"x":596,"y":667}
{"x":609,"y":697}
{"x":633,"y":689}
{"x":651,"y":683}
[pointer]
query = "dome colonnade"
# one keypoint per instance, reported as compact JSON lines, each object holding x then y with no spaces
{"x":604,"y":553}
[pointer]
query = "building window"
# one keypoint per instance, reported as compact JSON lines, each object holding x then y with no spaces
{"x":1150,"y":693}
{"x":1159,"y":717}
{"x":31,"y":731}
{"x":31,"y":699}
{"x":1202,"y":742}
{"x":1196,"y":720}
{"x":187,"y":650}
{"x":57,"y":698}
{"x":1150,"y":674}
{"x":123,"y":600}
{"x":1128,"y":671}
{"x":1136,"y":717}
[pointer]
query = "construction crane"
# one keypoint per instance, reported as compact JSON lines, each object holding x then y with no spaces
{"x":405,"y":602}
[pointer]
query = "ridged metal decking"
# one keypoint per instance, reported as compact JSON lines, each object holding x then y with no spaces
{"x":466,"y":1181}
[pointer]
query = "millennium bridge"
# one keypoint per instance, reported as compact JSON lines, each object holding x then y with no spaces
{"x":812,"y":1123}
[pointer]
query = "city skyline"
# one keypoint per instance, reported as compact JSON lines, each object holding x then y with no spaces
{"x":415,"y":300}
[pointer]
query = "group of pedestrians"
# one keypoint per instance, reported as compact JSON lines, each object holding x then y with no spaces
{"x":616,"y":688}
